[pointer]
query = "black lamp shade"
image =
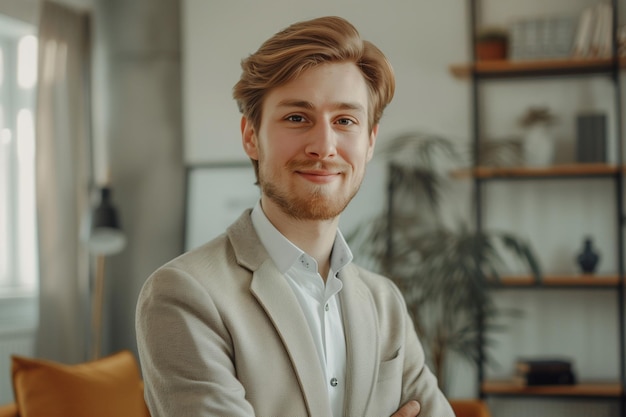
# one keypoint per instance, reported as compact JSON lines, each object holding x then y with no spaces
{"x":106,"y":236}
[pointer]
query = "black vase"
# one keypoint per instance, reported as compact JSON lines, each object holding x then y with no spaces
{"x":588,"y":258}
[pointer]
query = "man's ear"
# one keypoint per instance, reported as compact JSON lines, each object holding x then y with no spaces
{"x":249,"y":139}
{"x":372,"y":142}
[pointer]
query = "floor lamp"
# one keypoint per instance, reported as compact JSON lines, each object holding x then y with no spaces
{"x":106,"y":238}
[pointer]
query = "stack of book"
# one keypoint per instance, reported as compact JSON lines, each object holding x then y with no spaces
{"x":532,"y":372}
{"x":545,"y":37}
{"x":593,"y":37}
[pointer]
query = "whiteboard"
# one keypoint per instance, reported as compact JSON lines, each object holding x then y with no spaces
{"x":216,"y":197}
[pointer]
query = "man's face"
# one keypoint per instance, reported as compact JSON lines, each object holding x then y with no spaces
{"x":313,"y":142}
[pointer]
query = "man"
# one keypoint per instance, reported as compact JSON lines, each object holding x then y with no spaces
{"x":272,"y":318}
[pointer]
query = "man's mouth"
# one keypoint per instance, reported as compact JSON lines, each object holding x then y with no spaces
{"x":319,"y":176}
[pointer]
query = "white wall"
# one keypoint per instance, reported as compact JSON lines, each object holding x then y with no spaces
{"x":217,"y":35}
{"x":24,"y":10}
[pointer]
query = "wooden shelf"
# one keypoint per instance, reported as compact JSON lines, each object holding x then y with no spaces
{"x":504,"y":68}
{"x":560,"y":281}
{"x":562,"y":170}
{"x":567,"y":72}
{"x":584,"y":389}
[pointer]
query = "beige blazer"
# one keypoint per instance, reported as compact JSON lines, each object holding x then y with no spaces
{"x":220,"y":333}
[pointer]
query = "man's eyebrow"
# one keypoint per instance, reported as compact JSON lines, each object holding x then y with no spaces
{"x":303,"y":104}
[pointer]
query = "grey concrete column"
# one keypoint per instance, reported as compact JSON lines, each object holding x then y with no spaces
{"x":137,"y":96}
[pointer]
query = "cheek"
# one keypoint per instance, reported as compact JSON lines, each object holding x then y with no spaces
{"x":358,"y":158}
{"x":281,"y":148}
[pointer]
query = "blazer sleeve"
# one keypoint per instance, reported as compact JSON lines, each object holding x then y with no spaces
{"x":185,"y":350}
{"x":419,"y":383}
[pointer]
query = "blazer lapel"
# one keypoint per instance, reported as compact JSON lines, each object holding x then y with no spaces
{"x":280,"y":304}
{"x":277,"y":299}
{"x":361,"y":342}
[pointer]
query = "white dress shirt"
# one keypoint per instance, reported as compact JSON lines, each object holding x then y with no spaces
{"x":319,"y":301}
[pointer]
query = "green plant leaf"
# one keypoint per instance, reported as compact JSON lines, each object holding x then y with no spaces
{"x":445,"y":274}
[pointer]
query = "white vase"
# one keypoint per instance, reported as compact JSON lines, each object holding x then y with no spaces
{"x":538,"y":146}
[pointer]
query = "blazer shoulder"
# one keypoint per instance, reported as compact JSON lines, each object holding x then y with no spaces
{"x":236,"y":246}
{"x":381,"y":290}
{"x":375,"y":282}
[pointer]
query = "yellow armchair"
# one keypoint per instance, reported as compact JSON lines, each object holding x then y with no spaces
{"x":9,"y":410}
{"x":462,"y":408}
{"x":467,"y":408}
{"x":110,"y":386}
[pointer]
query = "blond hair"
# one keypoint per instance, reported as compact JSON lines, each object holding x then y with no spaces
{"x":304,"y":45}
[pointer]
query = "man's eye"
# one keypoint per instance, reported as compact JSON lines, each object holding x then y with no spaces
{"x":345,"y":122}
{"x":295,"y":118}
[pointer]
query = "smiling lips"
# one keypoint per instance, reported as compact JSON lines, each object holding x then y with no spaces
{"x":319,"y":177}
{"x":316,"y":172}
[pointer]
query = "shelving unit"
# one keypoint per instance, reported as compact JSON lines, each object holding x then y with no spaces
{"x":554,"y":171}
{"x":478,"y":72}
{"x":596,"y":389}
{"x":504,"y":68}
{"x":561,"y":281}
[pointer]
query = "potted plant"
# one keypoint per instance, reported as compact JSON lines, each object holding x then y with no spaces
{"x":445,"y":273}
{"x":491,"y":44}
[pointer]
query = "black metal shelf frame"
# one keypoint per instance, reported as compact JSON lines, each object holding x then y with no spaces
{"x":613,"y":71}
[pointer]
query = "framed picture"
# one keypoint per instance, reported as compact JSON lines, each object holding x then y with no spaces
{"x":216,"y":197}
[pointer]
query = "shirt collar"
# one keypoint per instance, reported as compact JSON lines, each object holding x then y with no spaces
{"x":284,"y":253}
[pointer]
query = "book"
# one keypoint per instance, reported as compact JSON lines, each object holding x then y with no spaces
{"x":542,"y":365}
{"x":544,"y":371}
{"x":591,"y":138}
{"x":593,"y":37}
{"x":601,"y":38}
{"x":546,"y":378}
{"x":546,"y":37}
{"x":584,"y":33}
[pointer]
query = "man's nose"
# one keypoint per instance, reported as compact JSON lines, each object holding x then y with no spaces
{"x":322,"y":141}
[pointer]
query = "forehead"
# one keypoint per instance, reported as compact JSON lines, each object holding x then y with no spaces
{"x":331,"y":84}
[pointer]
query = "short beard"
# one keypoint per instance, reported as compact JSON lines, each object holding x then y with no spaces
{"x":316,"y":206}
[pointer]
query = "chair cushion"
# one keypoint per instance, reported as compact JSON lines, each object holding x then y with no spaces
{"x":106,"y":387}
{"x":470,"y":408}
{"x":9,"y":410}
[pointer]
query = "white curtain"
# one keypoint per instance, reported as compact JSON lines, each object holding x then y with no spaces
{"x":63,"y":179}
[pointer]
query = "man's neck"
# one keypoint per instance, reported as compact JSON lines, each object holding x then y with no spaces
{"x":315,"y":237}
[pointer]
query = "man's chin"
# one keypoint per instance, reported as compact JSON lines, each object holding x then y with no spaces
{"x":309,"y":202}
{"x":320,"y":207}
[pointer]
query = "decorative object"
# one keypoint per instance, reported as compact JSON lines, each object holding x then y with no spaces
{"x":591,"y":137}
{"x":444,"y":273}
{"x":491,"y":44}
{"x":106,"y":238}
{"x":538,"y":141}
{"x":505,"y":152}
{"x":588,"y":258}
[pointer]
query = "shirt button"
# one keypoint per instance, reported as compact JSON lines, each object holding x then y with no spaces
{"x":326,"y":307}
{"x":333,"y":382}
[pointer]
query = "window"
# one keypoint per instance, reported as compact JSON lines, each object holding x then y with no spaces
{"x":18,"y":78}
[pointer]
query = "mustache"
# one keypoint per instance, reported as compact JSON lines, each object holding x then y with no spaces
{"x":317,"y":166}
